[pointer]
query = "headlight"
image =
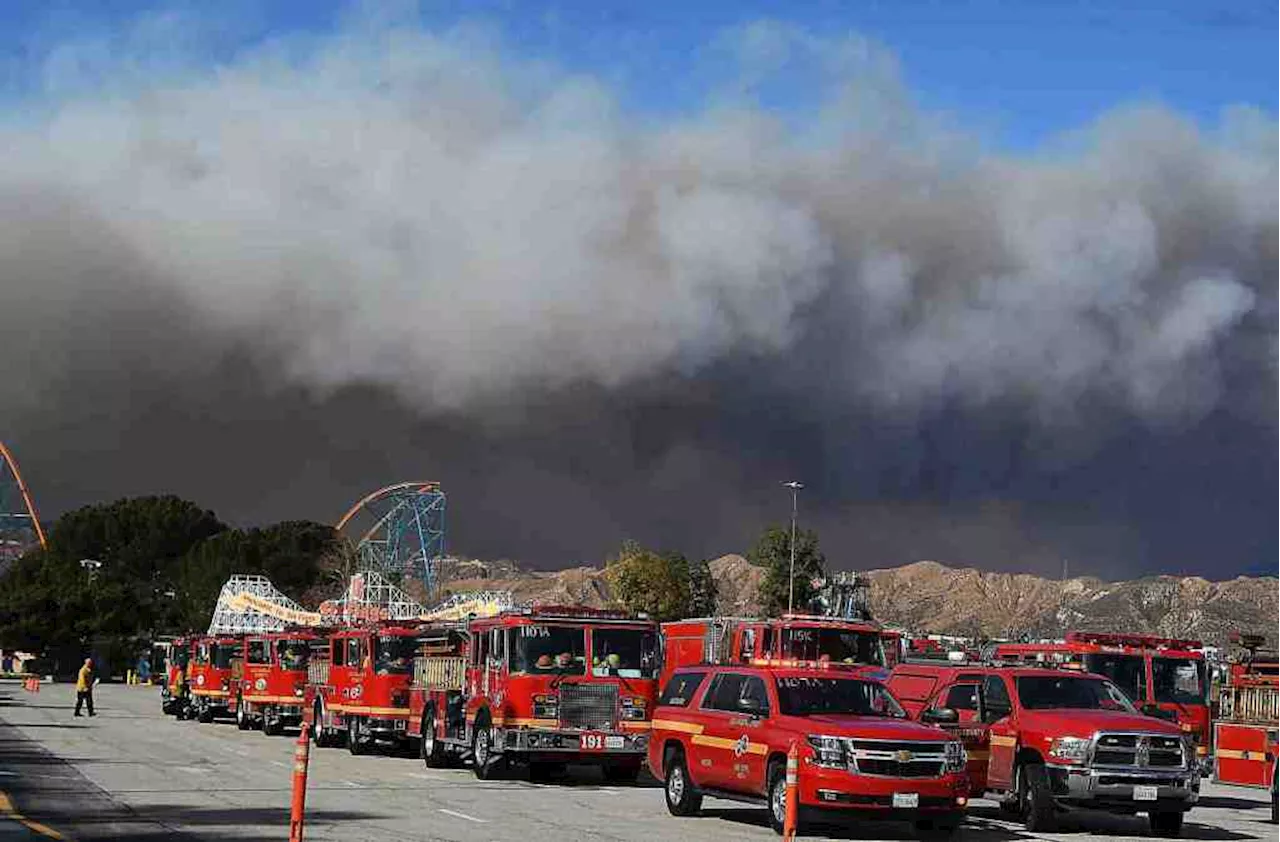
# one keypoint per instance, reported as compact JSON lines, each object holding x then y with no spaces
{"x":956,"y":757}
{"x":830,"y":751}
{"x":1070,"y":749}
{"x":546,"y":707}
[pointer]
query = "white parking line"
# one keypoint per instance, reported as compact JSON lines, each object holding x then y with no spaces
{"x":280,"y":763}
{"x":351,"y":784}
{"x":458,"y":815}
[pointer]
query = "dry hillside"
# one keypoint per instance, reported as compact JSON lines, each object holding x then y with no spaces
{"x":931,"y":597}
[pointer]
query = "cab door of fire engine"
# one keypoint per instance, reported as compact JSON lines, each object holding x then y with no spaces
{"x":495,"y":664}
{"x":998,"y":717}
{"x":351,"y":688}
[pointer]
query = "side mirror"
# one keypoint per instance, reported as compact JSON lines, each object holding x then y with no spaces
{"x":940,"y":716}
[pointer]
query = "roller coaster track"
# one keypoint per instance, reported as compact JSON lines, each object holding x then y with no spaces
{"x":16,"y":524}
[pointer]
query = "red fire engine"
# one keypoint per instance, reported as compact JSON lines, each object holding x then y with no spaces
{"x":792,"y":640}
{"x":173,"y":693}
{"x":273,"y":680}
{"x":209,"y":675}
{"x":1245,"y":734}
{"x":358,"y":685}
{"x":1157,"y":673}
{"x":544,"y":685}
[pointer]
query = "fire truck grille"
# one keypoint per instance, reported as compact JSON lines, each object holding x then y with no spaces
{"x":897,"y":758}
{"x":1139,"y":751}
{"x":590,"y":706}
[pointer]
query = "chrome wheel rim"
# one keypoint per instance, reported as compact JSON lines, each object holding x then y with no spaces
{"x":429,"y":738}
{"x":675,"y":784}
{"x":482,"y":746}
{"x":779,"y":801}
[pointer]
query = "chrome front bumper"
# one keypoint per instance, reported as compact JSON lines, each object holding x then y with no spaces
{"x":1112,"y":788}
{"x":569,"y":742}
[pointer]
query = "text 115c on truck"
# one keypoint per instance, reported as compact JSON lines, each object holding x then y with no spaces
{"x":1043,"y":740}
{"x":1162,"y":676}
{"x":543,"y":685}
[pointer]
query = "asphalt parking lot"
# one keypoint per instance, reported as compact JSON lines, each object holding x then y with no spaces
{"x":133,"y":773}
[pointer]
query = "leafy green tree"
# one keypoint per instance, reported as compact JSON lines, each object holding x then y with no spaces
{"x":773,"y":552}
{"x":655,"y":583}
{"x":702,"y":589}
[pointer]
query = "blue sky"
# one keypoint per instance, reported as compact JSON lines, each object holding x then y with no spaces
{"x":1016,"y":73}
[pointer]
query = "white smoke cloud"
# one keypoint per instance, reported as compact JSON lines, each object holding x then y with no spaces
{"x":420,"y":211}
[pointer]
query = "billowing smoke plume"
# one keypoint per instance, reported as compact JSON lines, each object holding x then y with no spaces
{"x":421,"y":213}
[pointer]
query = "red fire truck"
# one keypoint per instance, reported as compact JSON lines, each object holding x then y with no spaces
{"x":209,"y":675}
{"x":1158,"y":674}
{"x":173,"y":692}
{"x":792,"y":640}
{"x":358,"y":685}
{"x":1043,"y":740}
{"x":1245,"y":734}
{"x":544,"y":685}
{"x":273,"y":680}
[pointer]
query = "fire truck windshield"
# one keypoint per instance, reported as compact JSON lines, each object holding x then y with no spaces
{"x":556,"y":650}
{"x":1127,"y":671}
{"x":293,"y":654}
{"x":630,"y":653}
{"x":395,"y":655}
{"x":838,"y":646}
{"x":222,"y":655}
{"x":181,"y":657}
{"x":812,"y":695}
{"x":1179,"y":680}
{"x":1047,"y":692}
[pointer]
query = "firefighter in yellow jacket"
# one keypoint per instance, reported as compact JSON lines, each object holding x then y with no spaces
{"x":84,"y":687}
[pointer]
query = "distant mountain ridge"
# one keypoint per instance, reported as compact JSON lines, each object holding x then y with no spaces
{"x":927,"y":596}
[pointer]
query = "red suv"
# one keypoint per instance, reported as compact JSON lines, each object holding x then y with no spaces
{"x":726,"y":731}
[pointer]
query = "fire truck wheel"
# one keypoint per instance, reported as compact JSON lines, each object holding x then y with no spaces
{"x":242,"y":716}
{"x":355,"y":742}
{"x":483,"y":762}
{"x":682,"y":799}
{"x":622,"y":773}
{"x":319,"y":733}
{"x":205,"y":715}
{"x":429,"y":748}
{"x":778,"y":796}
{"x":1035,"y":797}
{"x":1166,"y":824}
{"x":271,"y":726}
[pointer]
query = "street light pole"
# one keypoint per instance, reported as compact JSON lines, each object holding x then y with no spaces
{"x":791,"y":580}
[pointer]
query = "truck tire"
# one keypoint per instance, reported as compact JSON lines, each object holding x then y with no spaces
{"x":205,"y":715}
{"x":681,"y":798}
{"x":242,"y":716}
{"x":777,"y":802}
{"x":355,"y":744}
{"x":483,"y":762}
{"x":270,"y":725}
{"x":429,"y":747}
{"x":1166,"y":824}
{"x":1035,"y":798}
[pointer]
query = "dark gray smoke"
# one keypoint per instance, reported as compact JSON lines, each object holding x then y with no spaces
{"x":319,"y":267}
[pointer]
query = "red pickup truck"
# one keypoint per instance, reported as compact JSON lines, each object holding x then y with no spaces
{"x":725,"y":730}
{"x":1044,"y":740}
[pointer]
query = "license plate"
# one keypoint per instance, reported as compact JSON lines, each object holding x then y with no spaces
{"x":614,"y":742}
{"x":906,"y":799}
{"x":591,"y":741}
{"x":1145,"y":793}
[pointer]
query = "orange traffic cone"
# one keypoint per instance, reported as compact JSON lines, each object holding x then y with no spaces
{"x":793,"y":795}
{"x":301,"y":757}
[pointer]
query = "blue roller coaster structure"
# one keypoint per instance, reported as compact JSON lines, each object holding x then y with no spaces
{"x":399,"y":532}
